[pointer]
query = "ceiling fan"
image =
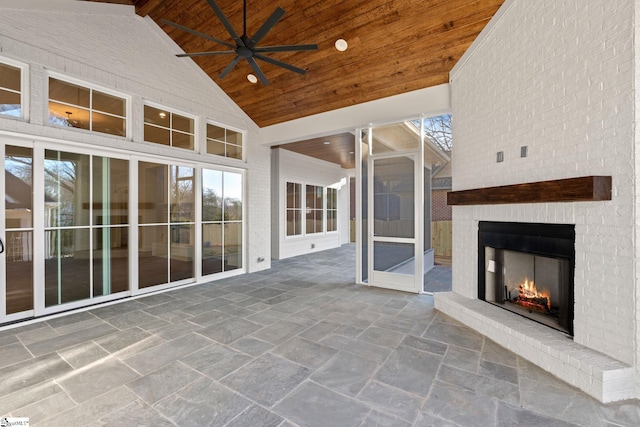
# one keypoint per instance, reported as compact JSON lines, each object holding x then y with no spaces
{"x":245,"y":46}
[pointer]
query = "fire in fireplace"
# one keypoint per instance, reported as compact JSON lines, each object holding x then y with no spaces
{"x":530,"y":298}
{"x":528,"y":269}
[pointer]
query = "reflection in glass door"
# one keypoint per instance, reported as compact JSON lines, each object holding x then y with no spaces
{"x":222,"y":207}
{"x":18,"y":235}
{"x":166,"y":224}
{"x":86,"y":227}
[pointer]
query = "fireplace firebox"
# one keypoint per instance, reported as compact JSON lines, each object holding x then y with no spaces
{"x":528,"y":269}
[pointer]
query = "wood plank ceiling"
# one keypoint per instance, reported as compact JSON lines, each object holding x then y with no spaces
{"x":395,"y":46}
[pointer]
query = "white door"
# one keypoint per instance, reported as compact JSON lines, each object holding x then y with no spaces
{"x":394,"y":223}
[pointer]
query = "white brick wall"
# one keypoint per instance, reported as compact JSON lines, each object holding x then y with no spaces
{"x":558,"y":77}
{"x":124,"y":52}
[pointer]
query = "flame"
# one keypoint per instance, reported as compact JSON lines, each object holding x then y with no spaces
{"x":528,"y":290}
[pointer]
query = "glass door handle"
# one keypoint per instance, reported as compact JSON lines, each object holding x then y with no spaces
{"x":1,"y":246}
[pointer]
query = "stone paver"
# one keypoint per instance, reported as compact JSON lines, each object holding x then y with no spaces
{"x":299,"y":344}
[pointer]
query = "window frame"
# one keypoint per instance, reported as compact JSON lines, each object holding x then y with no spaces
{"x":206,"y":139}
{"x":172,"y":111}
{"x":24,"y":88}
{"x":303,"y":209}
{"x":307,"y":209}
{"x":300,"y":209}
{"x":326,"y":210}
{"x":92,"y":87}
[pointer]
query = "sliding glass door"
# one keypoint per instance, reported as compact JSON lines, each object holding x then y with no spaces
{"x":81,"y":227}
{"x":17,"y":237}
{"x":166,"y":224}
{"x":86,"y":227}
{"x":222,"y":206}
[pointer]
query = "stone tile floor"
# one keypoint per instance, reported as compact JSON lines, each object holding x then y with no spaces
{"x":297,"y":345}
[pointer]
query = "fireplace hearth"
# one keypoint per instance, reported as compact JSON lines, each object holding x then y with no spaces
{"x":528,"y":269}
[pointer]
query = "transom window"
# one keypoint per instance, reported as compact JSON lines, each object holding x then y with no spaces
{"x":10,"y":90}
{"x":224,"y":142}
{"x":83,"y":107}
{"x":168,"y":128}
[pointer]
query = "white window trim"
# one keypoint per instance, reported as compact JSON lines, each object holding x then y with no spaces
{"x":92,"y":86}
{"x":195,"y":118}
{"x":24,"y":88}
{"x":225,"y":126}
{"x":337,"y":209}
{"x":303,"y":209}
{"x":323,"y":208}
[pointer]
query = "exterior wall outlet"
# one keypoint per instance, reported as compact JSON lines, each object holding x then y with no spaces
{"x":313,"y":246}
{"x":500,"y":156}
{"x":523,"y":151}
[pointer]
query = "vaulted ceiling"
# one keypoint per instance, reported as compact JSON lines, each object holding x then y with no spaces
{"x":395,"y":46}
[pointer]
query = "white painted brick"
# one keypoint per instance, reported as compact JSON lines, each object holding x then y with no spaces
{"x":559,"y":77}
{"x":130,"y":54}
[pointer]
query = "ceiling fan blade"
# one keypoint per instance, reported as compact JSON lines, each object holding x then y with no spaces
{"x":197,"y":33}
{"x":287,"y":48}
{"x":275,"y":17}
{"x":280,"y":63}
{"x":258,"y":71}
{"x":230,"y":67}
{"x":221,"y":52}
{"x":220,"y":14}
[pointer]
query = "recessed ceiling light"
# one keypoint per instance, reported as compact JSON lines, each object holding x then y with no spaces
{"x":327,"y":142}
{"x":341,"y":45}
{"x":252,"y":78}
{"x":162,"y":114}
{"x":351,"y":152}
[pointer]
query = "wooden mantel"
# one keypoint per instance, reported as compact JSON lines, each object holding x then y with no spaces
{"x":582,"y":189}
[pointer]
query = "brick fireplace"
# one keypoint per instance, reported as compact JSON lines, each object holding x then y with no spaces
{"x":528,"y":269}
{"x":548,"y":92}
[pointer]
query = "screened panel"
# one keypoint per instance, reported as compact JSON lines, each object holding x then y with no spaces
{"x":394,"y":206}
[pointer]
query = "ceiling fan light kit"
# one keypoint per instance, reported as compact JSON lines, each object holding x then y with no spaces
{"x":341,"y":45}
{"x":247,"y":47}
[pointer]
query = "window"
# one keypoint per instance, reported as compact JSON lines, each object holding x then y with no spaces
{"x":222,"y":201}
{"x":10,"y":90}
{"x":224,"y":142}
{"x":332,"y":209}
{"x":86,"y":108}
{"x":294,"y":209}
{"x":168,"y":128}
{"x":314,"y":209}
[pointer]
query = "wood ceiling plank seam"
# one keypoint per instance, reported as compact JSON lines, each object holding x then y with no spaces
{"x":439,"y":59}
{"x":356,"y":60}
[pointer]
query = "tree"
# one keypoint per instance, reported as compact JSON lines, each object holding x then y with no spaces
{"x":438,"y":130}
